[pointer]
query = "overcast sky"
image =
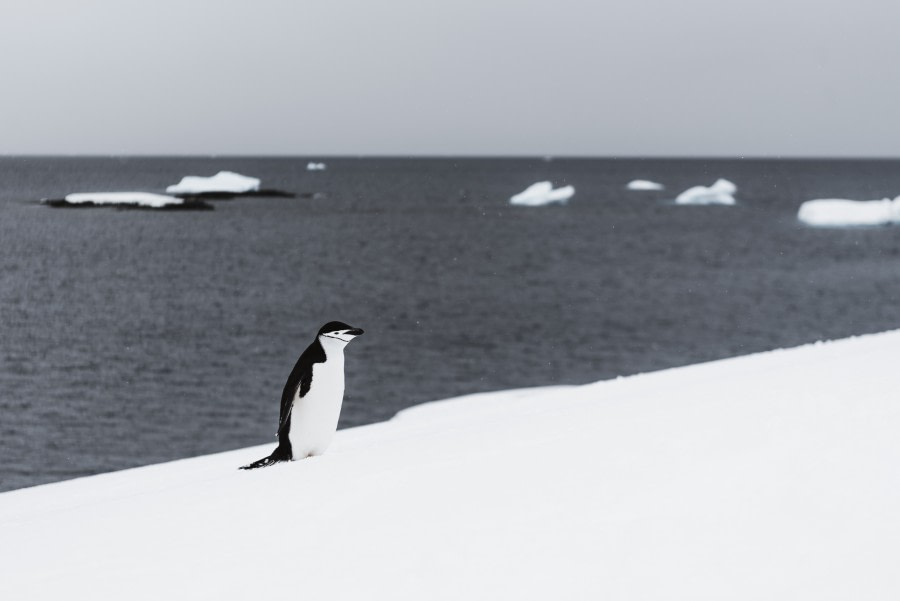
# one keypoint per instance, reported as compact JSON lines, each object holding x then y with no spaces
{"x":468,"y":77}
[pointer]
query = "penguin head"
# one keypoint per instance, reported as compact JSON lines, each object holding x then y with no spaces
{"x":338,"y":330}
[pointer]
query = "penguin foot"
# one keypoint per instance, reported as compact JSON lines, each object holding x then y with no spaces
{"x":278,"y":455}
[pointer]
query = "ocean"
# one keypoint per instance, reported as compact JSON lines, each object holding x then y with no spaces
{"x":135,"y":337}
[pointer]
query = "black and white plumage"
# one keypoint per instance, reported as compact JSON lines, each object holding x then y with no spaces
{"x":312,"y":397}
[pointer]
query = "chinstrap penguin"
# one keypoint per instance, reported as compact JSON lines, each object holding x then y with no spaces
{"x":312,"y":397}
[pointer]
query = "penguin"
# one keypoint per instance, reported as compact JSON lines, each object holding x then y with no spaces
{"x":312,"y":397}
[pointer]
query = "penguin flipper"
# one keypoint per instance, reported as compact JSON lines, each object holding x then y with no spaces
{"x":281,"y":453}
{"x":298,"y":384}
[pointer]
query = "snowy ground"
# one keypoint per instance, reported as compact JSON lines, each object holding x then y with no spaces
{"x":773,"y":476}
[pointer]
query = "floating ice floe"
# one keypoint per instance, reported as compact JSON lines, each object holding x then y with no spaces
{"x":316,"y":166}
{"x":720,"y":193}
{"x":643,"y":184}
{"x":227,"y":182}
{"x":144,"y":200}
{"x":840,"y":212}
{"x":223,"y":185}
{"x":542,"y":193}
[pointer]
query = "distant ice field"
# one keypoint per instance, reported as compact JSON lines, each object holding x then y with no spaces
{"x":131,"y":338}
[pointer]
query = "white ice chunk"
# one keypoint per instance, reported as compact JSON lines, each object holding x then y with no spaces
{"x":643,"y":184}
{"x":143,"y":199}
{"x":542,"y":193}
{"x":223,"y":181}
{"x":838,"y":212}
{"x":316,"y":166}
{"x":720,"y":193}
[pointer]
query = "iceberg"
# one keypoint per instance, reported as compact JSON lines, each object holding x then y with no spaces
{"x":840,"y":212}
{"x":643,"y":184}
{"x":542,"y":193}
{"x":227,"y":182}
{"x":141,"y":200}
{"x":316,"y":166}
{"x":742,"y":479}
{"x":720,"y":193}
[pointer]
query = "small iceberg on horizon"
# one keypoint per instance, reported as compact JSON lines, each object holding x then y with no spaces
{"x":542,"y":193}
{"x":644,"y":184}
{"x":224,"y":181}
{"x":720,"y":193}
{"x":139,"y":200}
{"x":316,"y":166}
{"x":841,"y":212}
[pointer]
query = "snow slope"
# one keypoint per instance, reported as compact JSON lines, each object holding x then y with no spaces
{"x":772,"y":476}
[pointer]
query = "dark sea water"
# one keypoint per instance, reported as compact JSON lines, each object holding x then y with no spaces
{"x":134,"y":337}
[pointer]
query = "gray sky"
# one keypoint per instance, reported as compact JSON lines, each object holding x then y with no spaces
{"x":469,"y":77}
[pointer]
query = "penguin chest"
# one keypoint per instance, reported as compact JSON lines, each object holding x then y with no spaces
{"x":314,"y":417}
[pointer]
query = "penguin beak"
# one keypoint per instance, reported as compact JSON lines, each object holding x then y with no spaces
{"x":355,"y":331}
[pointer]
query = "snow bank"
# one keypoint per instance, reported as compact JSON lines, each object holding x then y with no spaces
{"x":643,"y":184}
{"x":542,"y":193}
{"x":772,"y":476}
{"x":721,"y":192}
{"x":839,"y":212}
{"x":316,"y":166}
{"x":222,"y":182}
{"x":142,"y":199}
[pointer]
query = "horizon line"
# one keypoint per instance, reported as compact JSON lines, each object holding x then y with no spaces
{"x":541,"y":157}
